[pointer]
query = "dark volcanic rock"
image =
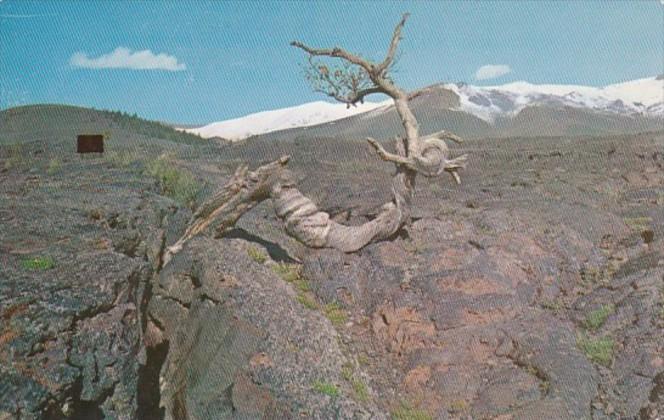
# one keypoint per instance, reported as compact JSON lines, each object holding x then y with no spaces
{"x":241,"y":345}
{"x":76,"y":261}
{"x":529,"y":291}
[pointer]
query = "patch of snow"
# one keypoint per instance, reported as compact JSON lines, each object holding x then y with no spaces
{"x":304,"y":115}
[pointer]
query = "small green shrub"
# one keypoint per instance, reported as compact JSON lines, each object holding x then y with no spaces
{"x":326,"y":388}
{"x":363,"y":359}
{"x":407,"y":412}
{"x":459,"y":406}
{"x":95,"y":213}
{"x":288,"y":272}
{"x":256,"y":254}
{"x":178,"y":184}
{"x":599,"y":350}
{"x":16,"y":158}
{"x":38,"y":263}
{"x":302,"y":285}
{"x":307,"y":301}
{"x":335,"y":313}
{"x":54,"y":166}
{"x":638,"y":223}
{"x":360,"y":390}
{"x":595,"y":319}
{"x":120,"y":159}
{"x":553,"y":305}
{"x":590,"y":275}
{"x":347,"y":371}
{"x":291,"y":273}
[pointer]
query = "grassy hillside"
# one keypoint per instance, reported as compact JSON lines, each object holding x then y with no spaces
{"x":40,"y":140}
{"x":44,"y":121}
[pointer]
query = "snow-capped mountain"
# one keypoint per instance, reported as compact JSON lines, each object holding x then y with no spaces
{"x":642,"y":97}
{"x":304,"y":115}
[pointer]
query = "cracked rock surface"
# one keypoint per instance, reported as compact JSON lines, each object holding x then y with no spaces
{"x":533,"y":290}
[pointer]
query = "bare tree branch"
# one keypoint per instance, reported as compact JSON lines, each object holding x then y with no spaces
{"x":380,"y":80}
{"x":416,"y":93}
{"x":391,"y":157}
{"x":433,"y":161}
{"x":342,"y":83}
{"x":396,"y":37}
{"x":337,"y":53}
{"x":452,"y":167}
{"x":444,"y":134}
{"x":359,"y":96}
{"x":240,"y":194}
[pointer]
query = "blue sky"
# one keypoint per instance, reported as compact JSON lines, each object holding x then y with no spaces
{"x":210,"y":61}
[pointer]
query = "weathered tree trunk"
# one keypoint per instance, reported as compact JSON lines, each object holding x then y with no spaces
{"x":301,"y":217}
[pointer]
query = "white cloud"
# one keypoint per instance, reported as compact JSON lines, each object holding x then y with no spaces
{"x":491,"y":71}
{"x":124,"y":58}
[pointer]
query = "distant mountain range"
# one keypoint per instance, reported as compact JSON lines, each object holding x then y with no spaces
{"x":637,"y":97}
{"x":514,"y":109}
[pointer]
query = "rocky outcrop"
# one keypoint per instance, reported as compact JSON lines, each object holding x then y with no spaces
{"x":494,"y":324}
{"x":75,"y":280}
{"x":241,"y":345}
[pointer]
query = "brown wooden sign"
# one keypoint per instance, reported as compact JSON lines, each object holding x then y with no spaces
{"x":90,"y":143}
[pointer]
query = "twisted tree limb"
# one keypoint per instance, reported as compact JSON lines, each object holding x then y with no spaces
{"x":301,"y":217}
{"x":427,"y":156}
{"x":240,"y":194}
{"x":433,"y":160}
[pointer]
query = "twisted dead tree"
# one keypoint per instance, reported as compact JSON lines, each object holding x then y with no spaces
{"x":349,"y":83}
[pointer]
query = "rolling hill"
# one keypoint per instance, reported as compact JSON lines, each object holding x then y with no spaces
{"x":55,"y":120}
